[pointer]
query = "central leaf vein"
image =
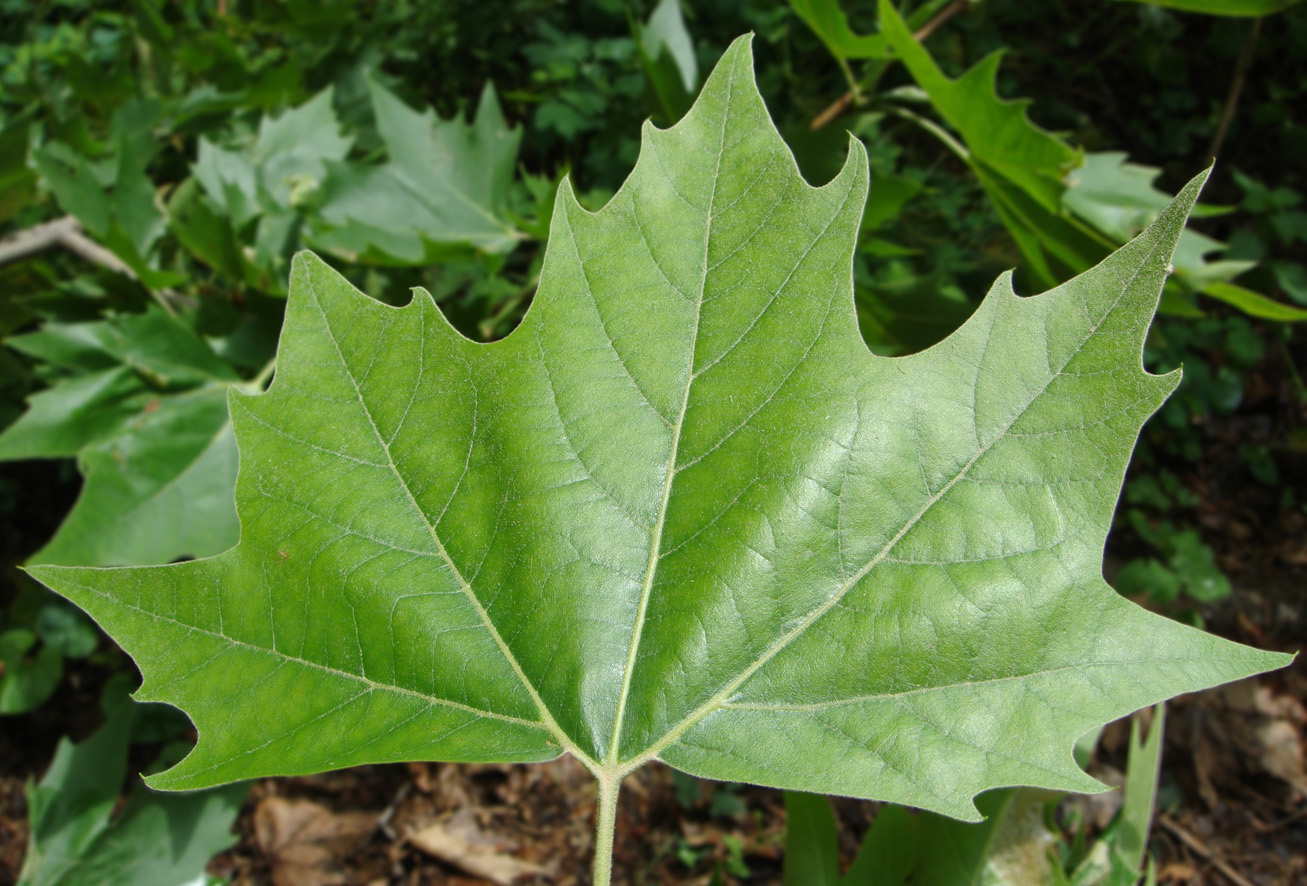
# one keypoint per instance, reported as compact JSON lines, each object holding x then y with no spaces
{"x":669,"y":471}
{"x":719,"y":699}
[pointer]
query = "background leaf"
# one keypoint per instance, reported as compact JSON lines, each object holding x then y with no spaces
{"x":145,"y":412}
{"x":1225,"y":7}
{"x":155,"y":840}
{"x":445,"y":186}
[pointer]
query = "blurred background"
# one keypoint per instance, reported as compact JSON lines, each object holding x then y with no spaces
{"x":162,"y":160}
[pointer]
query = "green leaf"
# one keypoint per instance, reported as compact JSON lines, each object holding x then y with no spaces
{"x":62,"y":419}
{"x":890,"y":850}
{"x":151,"y":435}
{"x":159,"y":489}
{"x":1148,"y":576}
{"x":829,"y":22}
{"x":887,"y":199}
{"x":17,"y":180}
{"x":1020,"y":166}
{"x":292,"y":149}
{"x":265,"y":186}
{"x":75,"y":185}
{"x":1117,"y":859}
{"x":680,"y":513}
{"x":445,"y":188}
{"x":230,"y":180}
{"x":1140,"y":790}
{"x":812,"y":855}
{"x":1224,"y":7}
{"x":113,"y":198}
{"x":1036,"y":182}
{"x":26,"y":679}
{"x":205,"y":231}
{"x":997,"y":132}
{"x":66,"y":629}
{"x":1115,"y":196}
{"x":667,"y":56}
{"x":158,"y":347}
{"x":298,"y":144}
{"x":1009,"y":848}
{"x":157,"y":839}
{"x":121,"y":367}
{"x":70,"y":808}
{"x":1254,"y":304}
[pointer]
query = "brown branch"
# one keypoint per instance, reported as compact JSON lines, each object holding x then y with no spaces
{"x":67,"y":233}
{"x":940,"y":17}
{"x":833,"y":110}
{"x":1236,"y":88}
{"x":1199,"y":847}
{"x":37,"y":239}
{"x":845,"y":101}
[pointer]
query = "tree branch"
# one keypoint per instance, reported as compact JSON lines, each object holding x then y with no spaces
{"x":847,"y":100}
{"x":1236,"y":88}
{"x":67,"y":233}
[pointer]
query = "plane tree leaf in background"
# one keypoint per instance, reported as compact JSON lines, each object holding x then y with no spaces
{"x":1032,"y":177}
{"x":681,"y":513}
{"x":110,"y":192}
{"x":260,"y":192}
{"x":141,"y":402}
{"x":30,"y":675}
{"x":30,"y":672}
{"x":443,"y":192}
{"x":830,"y":23}
{"x":445,"y":187}
{"x":155,"y":839}
{"x":670,"y":67}
{"x":1246,"y":8}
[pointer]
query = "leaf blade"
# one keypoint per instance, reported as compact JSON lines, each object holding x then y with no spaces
{"x":638,"y":526}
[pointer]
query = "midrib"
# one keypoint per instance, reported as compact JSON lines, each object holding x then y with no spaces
{"x":719,"y":699}
{"x":655,"y":543}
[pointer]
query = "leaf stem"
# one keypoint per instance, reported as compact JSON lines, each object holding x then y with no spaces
{"x":257,"y":384}
{"x":605,"y":825}
{"x":1236,"y":88}
{"x":854,"y":96}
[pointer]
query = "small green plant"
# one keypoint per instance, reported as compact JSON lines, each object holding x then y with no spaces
{"x":681,"y":513}
{"x":79,"y":837}
{"x":40,"y":631}
{"x":1185,"y":565}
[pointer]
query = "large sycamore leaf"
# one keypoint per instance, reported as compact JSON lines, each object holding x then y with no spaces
{"x":681,"y":513}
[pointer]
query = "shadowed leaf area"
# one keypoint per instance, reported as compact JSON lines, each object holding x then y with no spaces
{"x":680,"y":513}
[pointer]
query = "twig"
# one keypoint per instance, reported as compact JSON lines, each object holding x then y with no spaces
{"x":1199,"y":847}
{"x":260,"y":381}
{"x":66,"y":232}
{"x":940,"y":17}
{"x":833,"y":110}
{"x":1276,"y":825}
{"x":383,"y":820}
{"x":842,"y":104}
{"x":38,"y":239}
{"x":1236,"y":87}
